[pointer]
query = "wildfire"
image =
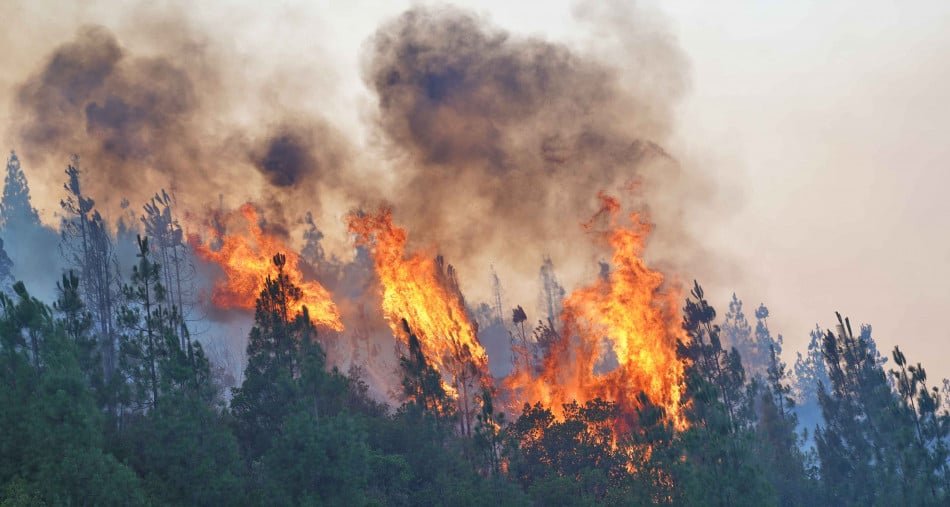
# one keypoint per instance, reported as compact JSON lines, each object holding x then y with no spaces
{"x":627,"y":315}
{"x":417,"y":289}
{"x":246,"y":261}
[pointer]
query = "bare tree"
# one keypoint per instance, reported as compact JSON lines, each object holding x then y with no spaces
{"x":168,"y":240}
{"x":87,"y":245}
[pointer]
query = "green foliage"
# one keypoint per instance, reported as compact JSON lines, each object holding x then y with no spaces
{"x":185,"y":453}
{"x":422,"y":383}
{"x":926,"y":459}
{"x":16,"y":210}
{"x":778,"y":450}
{"x":720,"y":443}
{"x":859,"y":446}
{"x":270,"y":389}
{"x":6,"y":269}
{"x":51,"y":441}
{"x":298,"y":432}
{"x":578,"y":446}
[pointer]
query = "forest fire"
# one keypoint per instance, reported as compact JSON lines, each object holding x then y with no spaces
{"x":627,"y":317}
{"x":423,"y":291}
{"x":246,"y":261}
{"x":617,"y":337}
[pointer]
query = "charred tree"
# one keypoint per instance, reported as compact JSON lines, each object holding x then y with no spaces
{"x":88,"y":247}
{"x":168,"y":239}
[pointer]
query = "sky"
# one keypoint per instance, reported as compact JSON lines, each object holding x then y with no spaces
{"x":835,"y":114}
{"x":823,"y":126}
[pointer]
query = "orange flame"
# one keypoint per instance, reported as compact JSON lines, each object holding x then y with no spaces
{"x":246,"y":261}
{"x":415,"y":288}
{"x":629,"y":314}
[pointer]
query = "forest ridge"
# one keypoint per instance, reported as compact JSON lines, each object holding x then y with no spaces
{"x":108,"y":399}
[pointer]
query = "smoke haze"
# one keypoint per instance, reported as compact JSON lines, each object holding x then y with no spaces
{"x":489,"y":145}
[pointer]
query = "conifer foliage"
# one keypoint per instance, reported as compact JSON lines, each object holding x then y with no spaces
{"x":107,"y":399}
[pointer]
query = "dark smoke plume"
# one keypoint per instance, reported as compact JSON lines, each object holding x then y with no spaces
{"x":507,"y":140}
{"x":143,"y":119}
{"x":490,"y":145}
{"x":120,"y":111}
{"x":301,"y":153}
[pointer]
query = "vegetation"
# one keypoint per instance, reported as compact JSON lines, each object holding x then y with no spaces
{"x":107,"y":400}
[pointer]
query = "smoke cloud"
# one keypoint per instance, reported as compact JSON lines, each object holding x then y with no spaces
{"x":121,"y":112}
{"x":505,"y":141}
{"x":489,"y":145}
{"x":168,"y":114}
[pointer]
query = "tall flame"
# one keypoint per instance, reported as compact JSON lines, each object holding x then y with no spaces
{"x":630,"y":314}
{"x":416,"y":288}
{"x":246,"y":261}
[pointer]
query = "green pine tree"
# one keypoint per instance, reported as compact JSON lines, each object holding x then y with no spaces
{"x":16,"y":208}
{"x":51,"y":447}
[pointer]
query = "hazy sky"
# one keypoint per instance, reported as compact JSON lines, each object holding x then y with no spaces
{"x":825,"y":124}
{"x":837,"y":116}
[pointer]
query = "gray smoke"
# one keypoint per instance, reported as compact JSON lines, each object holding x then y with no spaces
{"x":490,"y":145}
{"x":156,"y":117}
{"x":119,"y":111}
{"x":505,"y":140}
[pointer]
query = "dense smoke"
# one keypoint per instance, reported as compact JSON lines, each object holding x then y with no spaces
{"x":164,"y":115}
{"x":121,"y":112}
{"x":488,"y":145}
{"x":505,"y":141}
{"x":490,"y":131}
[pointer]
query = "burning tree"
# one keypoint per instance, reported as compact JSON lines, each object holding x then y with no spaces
{"x":274,"y":356}
{"x":424,"y":292}
{"x":628,"y":318}
{"x":246,"y":258}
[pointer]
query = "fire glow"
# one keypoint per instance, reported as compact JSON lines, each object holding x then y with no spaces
{"x":630,"y":311}
{"x":246,"y":261}
{"x":414,"y":289}
{"x":616,"y":340}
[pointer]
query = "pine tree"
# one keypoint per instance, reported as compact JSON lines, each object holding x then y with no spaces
{"x":51,"y":448}
{"x":77,"y":325}
{"x":713,"y":365}
{"x":87,"y":245}
{"x":168,"y":240}
{"x":718,"y":403}
{"x":269,"y":389}
{"x":16,"y":210}
{"x":859,"y":446}
{"x":6,"y":271}
{"x":552,"y":293}
{"x":149,"y":323}
{"x":570,"y":459}
{"x":767,"y":347}
{"x":782,"y":460}
{"x":422,"y":383}
{"x":927,"y":457}
{"x":809,"y":373}
{"x":28,"y":248}
{"x":737,"y":332}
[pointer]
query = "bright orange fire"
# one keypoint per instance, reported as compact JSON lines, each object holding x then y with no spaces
{"x":416,"y":288}
{"x":246,"y":261}
{"x":619,"y":336}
